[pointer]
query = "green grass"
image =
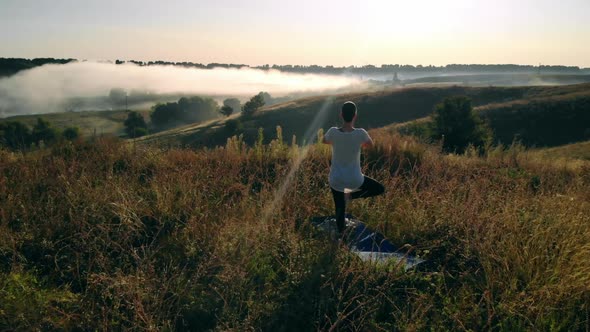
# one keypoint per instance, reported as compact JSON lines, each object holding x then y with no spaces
{"x":108,"y":235}
{"x":89,"y":122}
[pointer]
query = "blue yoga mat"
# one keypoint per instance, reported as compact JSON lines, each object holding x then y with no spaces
{"x":367,"y":243}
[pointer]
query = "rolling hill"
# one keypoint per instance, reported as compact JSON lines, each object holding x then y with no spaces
{"x":89,"y":122}
{"x":549,"y":117}
{"x":302,"y":118}
{"x":580,"y":150}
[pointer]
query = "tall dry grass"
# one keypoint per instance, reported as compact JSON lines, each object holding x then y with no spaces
{"x":106,"y":235}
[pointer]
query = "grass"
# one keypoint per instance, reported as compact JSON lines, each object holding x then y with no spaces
{"x":545,"y":117}
{"x":89,"y":122}
{"x":107,"y":235}
{"x":377,"y":108}
{"x":566,"y":152}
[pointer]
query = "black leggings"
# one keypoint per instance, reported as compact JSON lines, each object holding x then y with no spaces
{"x":369,"y":188}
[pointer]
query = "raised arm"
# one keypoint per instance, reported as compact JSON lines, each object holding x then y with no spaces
{"x":368,"y":141}
{"x":327,"y":139}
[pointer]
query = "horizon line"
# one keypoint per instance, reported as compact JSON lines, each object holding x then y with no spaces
{"x":270,"y":66}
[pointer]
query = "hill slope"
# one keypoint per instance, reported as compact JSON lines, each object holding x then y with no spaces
{"x":89,"y":122}
{"x":579,"y":150}
{"x":377,"y":109}
{"x":550,"y":117}
{"x":104,"y":235}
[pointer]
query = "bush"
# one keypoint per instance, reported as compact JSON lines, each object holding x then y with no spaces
{"x":455,"y":122}
{"x":15,"y":135}
{"x":26,"y":305}
{"x":226,"y":110}
{"x":71,"y":133}
{"x":44,"y":132}
{"x":135,"y":125}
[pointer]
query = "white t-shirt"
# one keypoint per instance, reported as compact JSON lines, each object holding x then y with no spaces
{"x":345,"y":171}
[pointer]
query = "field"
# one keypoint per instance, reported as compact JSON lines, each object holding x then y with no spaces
{"x":207,"y":226}
{"x":565,"y":153}
{"x":381,"y":108}
{"x":107,"y":235}
{"x":90,"y":123}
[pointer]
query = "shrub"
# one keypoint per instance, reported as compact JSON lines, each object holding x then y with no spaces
{"x":15,"y":135}
{"x":26,"y":305}
{"x":44,"y":132}
{"x":71,"y":133}
{"x":455,"y":122}
{"x":226,"y":110}
{"x":135,"y":125}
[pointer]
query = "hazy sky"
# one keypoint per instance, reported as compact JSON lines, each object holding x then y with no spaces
{"x":337,"y":32}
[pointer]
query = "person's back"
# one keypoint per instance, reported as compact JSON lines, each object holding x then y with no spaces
{"x":345,"y":169}
{"x":346,"y":178}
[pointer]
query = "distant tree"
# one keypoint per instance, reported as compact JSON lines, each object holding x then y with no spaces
{"x":43,"y":131}
{"x":71,"y":133}
{"x":254,"y":104}
{"x":196,"y":109}
{"x":226,"y":110}
{"x":186,"y":110}
{"x":135,"y":125}
{"x":455,"y":122}
{"x":234,"y":103}
{"x":165,"y":116}
{"x":15,"y":135}
{"x":117,"y":96}
{"x":268,"y":100}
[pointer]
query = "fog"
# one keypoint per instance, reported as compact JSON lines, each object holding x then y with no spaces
{"x":50,"y":88}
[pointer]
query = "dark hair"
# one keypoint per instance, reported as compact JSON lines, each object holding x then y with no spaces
{"x":348,"y":111}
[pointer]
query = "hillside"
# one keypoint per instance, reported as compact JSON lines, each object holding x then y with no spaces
{"x":545,"y":121}
{"x":105,"y":235}
{"x":302,"y":118}
{"x":502,"y":79}
{"x":579,"y":150}
{"x":547,"y":117}
{"x":89,"y":122}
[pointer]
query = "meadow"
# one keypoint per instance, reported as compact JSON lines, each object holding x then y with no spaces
{"x":105,"y":234}
{"x":90,"y":123}
{"x":538,"y":116}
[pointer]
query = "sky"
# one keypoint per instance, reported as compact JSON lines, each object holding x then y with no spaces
{"x":304,"y":32}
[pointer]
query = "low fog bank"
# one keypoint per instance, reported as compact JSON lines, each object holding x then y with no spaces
{"x":85,"y":85}
{"x":481,"y":79}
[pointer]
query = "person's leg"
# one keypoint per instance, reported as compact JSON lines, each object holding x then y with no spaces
{"x":369,"y":188}
{"x":340,"y":208}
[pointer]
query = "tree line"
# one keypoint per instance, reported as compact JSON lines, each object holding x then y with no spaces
{"x":10,"y":66}
{"x":16,"y":135}
{"x":189,"y":110}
